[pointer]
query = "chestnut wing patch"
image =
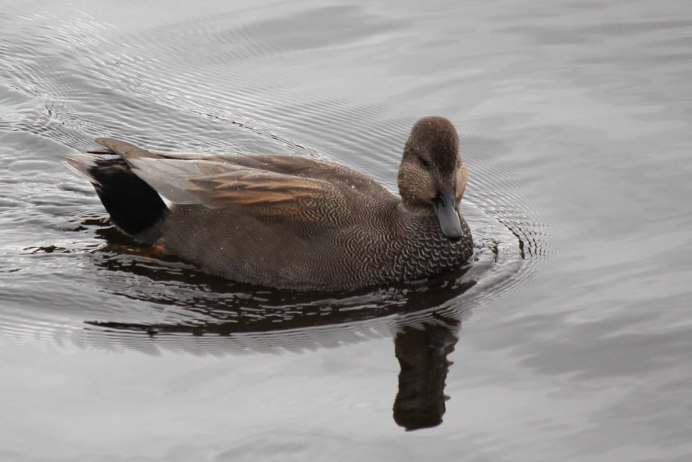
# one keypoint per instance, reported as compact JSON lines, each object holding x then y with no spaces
{"x":261,"y":193}
{"x":250,"y":187}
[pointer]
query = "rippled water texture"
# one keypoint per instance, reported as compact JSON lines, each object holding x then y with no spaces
{"x":575,"y":122}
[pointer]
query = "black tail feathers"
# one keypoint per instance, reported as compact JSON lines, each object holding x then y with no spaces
{"x":134,"y":206}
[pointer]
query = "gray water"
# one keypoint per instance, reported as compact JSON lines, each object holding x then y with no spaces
{"x":567,"y":338}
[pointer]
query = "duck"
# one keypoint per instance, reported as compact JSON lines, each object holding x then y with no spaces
{"x":289,"y":222}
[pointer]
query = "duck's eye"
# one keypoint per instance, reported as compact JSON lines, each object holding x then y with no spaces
{"x":424,"y":163}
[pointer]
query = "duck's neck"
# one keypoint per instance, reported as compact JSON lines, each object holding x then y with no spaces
{"x":421,"y":225}
{"x":423,"y":248}
{"x":416,"y":208}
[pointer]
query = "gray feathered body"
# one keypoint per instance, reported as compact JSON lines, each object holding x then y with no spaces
{"x":278,"y":221}
{"x":381,"y":244}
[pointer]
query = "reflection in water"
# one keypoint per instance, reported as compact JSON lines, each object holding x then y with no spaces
{"x":423,"y":318}
{"x":422,"y":353}
{"x":421,"y":349}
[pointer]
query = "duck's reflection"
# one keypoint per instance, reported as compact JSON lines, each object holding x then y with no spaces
{"x":422,"y":353}
{"x":222,"y":316}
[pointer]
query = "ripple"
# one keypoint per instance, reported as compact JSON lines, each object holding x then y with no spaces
{"x":69,"y":276}
{"x":155,"y":304}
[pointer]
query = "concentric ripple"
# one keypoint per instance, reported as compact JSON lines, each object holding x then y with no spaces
{"x":227,"y":84}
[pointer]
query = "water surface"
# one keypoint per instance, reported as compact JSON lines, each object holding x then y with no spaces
{"x":565,"y":339}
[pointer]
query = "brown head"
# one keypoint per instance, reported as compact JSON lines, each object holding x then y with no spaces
{"x":432,"y":175}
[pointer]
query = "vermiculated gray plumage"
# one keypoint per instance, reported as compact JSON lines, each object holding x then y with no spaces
{"x":290,"y":222}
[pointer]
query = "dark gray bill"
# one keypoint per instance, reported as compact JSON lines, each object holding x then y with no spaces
{"x":448,"y":216}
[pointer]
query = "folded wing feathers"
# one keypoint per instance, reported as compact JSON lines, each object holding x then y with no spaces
{"x":218,"y":184}
{"x":171,"y":178}
{"x":252,"y":187}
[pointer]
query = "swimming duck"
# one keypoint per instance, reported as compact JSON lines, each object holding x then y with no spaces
{"x":290,"y":222}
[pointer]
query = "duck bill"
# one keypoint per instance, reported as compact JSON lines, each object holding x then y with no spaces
{"x":447,"y":215}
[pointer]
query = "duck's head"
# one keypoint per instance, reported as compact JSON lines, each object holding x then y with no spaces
{"x":432,"y":175}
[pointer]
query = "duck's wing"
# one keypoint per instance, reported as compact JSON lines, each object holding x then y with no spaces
{"x":336,"y":174}
{"x":232,"y":182}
